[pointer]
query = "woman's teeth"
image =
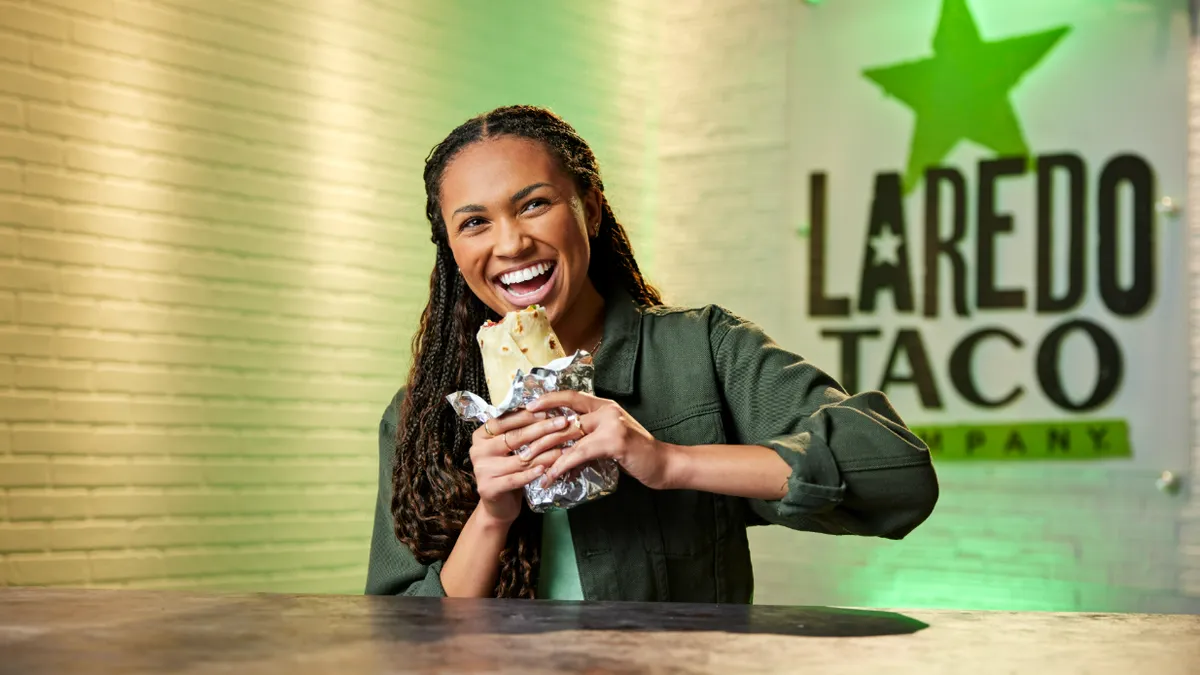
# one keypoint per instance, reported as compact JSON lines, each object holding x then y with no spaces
{"x":526,"y":274}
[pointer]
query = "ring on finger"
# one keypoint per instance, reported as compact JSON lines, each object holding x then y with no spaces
{"x":579,"y":426}
{"x":487,"y":430}
{"x":505,"y":438}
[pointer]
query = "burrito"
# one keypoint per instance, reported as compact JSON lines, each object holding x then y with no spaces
{"x":522,"y":341}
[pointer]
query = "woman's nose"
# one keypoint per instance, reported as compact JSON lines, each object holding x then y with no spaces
{"x":511,"y":239}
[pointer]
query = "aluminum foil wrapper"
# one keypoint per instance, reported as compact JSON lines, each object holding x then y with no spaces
{"x":584,"y":484}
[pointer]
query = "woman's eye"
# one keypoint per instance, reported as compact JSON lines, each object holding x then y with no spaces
{"x":470,"y":223}
{"x":536,"y":204}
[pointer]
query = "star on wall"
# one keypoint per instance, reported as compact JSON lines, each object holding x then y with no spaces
{"x":962,"y":91}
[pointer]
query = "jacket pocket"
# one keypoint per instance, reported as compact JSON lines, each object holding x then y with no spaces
{"x":687,"y":518}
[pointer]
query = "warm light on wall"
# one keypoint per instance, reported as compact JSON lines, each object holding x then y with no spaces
{"x":219,"y":224}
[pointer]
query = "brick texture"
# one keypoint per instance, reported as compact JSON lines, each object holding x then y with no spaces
{"x":213,"y":253}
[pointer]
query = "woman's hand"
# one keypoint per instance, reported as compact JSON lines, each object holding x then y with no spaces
{"x":500,"y":474}
{"x":604,"y":430}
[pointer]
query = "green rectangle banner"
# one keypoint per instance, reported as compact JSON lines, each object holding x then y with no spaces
{"x":1092,"y":439}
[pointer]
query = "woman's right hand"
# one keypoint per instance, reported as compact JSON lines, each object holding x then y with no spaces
{"x":500,"y":474}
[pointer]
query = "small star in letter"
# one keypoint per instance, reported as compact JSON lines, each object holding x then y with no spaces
{"x":886,"y":248}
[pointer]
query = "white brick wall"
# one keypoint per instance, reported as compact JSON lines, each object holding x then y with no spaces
{"x":723,"y":155}
{"x":213,"y":252}
{"x":1189,"y":518}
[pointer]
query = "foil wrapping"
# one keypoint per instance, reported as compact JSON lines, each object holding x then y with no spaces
{"x":584,"y":484}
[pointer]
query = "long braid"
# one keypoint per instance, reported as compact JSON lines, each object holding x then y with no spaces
{"x":433,"y":486}
{"x":616,"y":253}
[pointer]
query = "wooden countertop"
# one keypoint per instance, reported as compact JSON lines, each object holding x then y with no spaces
{"x":45,"y":631}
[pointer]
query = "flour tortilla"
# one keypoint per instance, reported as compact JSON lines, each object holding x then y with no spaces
{"x":521,"y":341}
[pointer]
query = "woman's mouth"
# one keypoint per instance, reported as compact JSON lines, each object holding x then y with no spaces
{"x":529,"y":285}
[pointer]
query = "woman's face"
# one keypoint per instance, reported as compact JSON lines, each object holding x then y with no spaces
{"x":518,"y":226}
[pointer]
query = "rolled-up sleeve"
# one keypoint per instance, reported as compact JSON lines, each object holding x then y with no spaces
{"x":856,"y":467}
{"x":392,"y":569}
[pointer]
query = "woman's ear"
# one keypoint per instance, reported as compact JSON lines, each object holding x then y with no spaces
{"x":593,"y":211}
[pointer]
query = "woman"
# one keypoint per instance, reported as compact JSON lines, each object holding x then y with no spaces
{"x":714,"y":425}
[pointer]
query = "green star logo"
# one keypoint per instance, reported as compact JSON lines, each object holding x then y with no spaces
{"x":962,"y":91}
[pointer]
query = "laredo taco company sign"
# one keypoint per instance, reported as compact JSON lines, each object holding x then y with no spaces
{"x":984,"y":240}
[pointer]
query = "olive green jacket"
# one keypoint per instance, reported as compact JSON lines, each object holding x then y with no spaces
{"x":706,"y":376}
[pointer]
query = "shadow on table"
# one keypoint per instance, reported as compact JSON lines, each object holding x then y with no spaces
{"x":419,"y":619}
{"x":103,"y":632}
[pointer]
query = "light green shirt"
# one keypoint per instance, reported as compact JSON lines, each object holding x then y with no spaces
{"x":559,"y":575}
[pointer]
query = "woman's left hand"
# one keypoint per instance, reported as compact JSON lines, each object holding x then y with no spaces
{"x":605,"y":430}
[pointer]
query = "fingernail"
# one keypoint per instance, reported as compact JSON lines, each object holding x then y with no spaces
{"x":539,"y":468}
{"x":524,"y":451}
{"x":559,"y":423}
{"x":539,"y":415}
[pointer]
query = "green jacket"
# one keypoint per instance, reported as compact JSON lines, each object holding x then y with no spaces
{"x":701,"y":376}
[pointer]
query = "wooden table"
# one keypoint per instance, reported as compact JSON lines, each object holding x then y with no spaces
{"x":78,"y":631}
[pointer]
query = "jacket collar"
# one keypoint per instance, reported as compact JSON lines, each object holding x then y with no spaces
{"x":616,"y":358}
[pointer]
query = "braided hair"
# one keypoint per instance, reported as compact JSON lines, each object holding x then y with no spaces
{"x":433,"y":486}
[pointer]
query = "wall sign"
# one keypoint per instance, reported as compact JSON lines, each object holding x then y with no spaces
{"x":986,"y":234}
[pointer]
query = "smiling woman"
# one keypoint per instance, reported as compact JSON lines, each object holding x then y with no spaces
{"x":715,"y":426}
{"x":520,"y":231}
